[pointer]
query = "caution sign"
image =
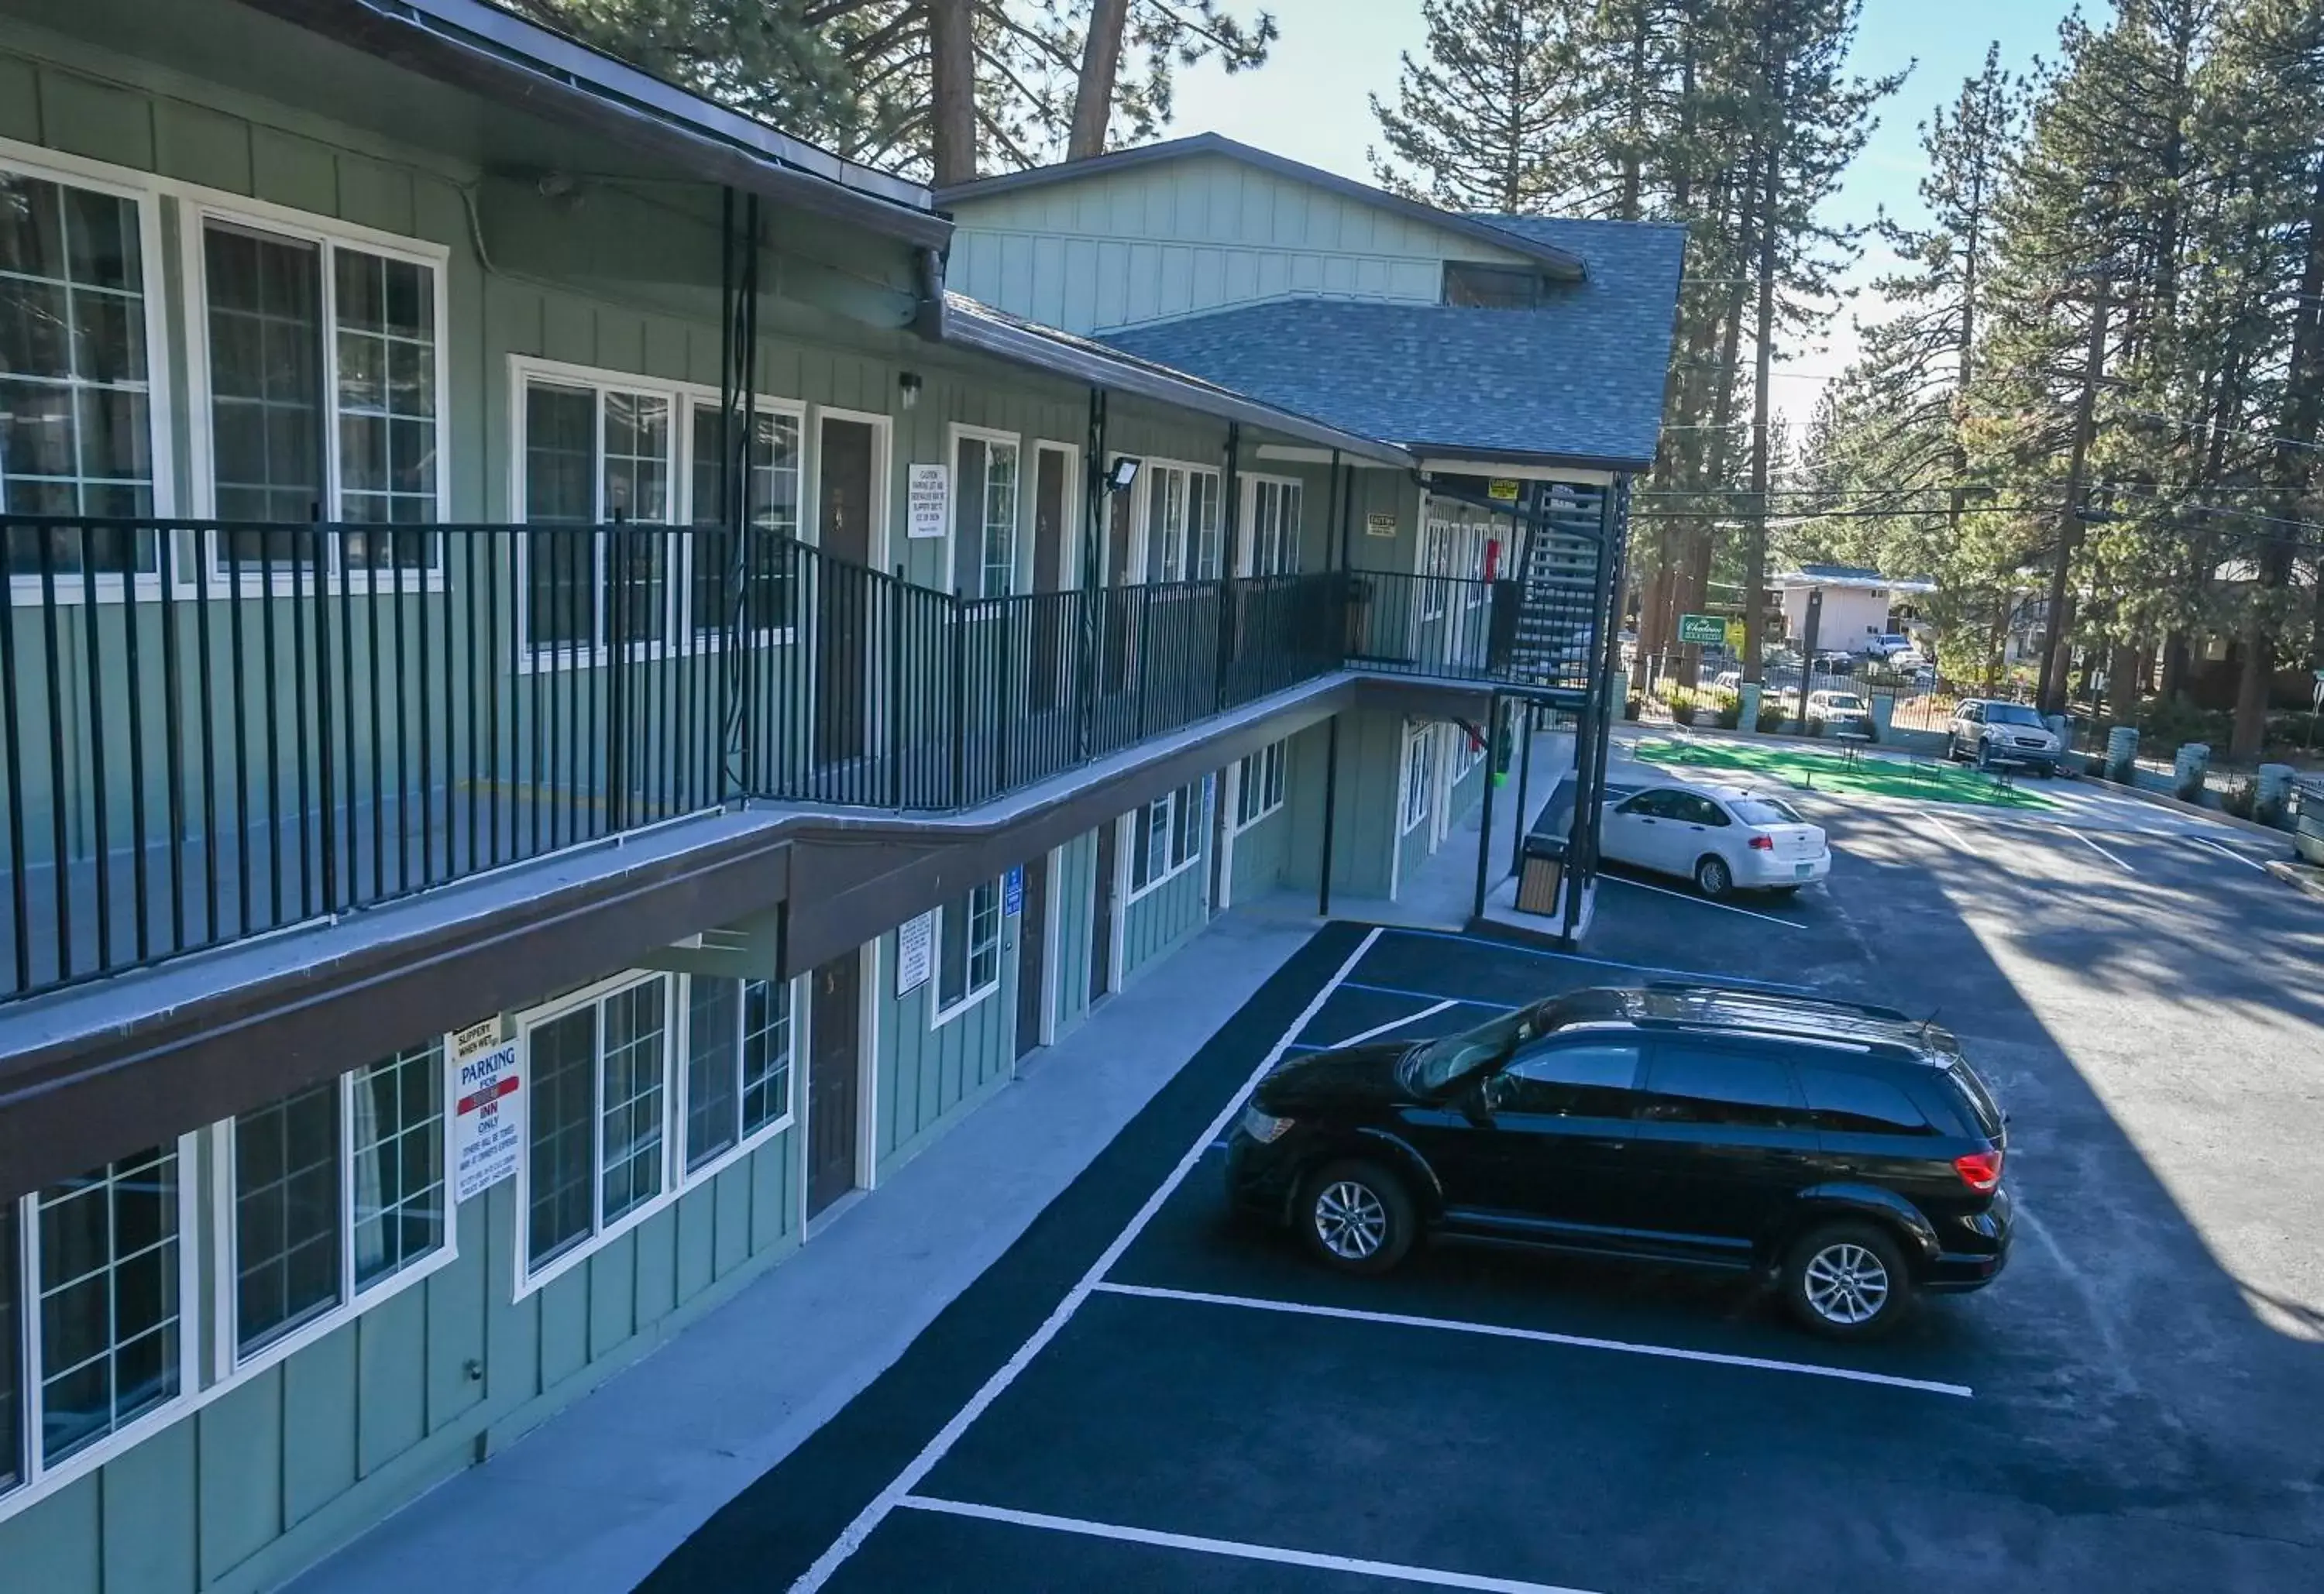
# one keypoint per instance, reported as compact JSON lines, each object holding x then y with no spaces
{"x":488,"y":1103}
{"x":1501,"y":491}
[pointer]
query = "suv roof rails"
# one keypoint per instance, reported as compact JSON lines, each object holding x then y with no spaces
{"x":1829,"y":1003}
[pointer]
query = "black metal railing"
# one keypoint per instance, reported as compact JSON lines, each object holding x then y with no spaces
{"x":214,"y":730}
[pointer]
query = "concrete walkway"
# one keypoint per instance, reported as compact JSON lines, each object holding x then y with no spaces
{"x":593,"y":1499}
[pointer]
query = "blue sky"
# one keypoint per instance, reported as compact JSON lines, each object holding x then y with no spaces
{"x":1310,"y":102}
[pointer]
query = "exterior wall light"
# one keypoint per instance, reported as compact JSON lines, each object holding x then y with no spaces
{"x":909,"y":384}
{"x":1124,"y":472}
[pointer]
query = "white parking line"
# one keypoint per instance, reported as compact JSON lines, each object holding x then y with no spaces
{"x":2225,"y":851}
{"x":1395,"y":1572}
{"x":872,"y":1514}
{"x":1623,"y":880}
{"x":1380,"y":1029}
{"x":1540,"y":1337}
{"x":1947,"y":831}
{"x":2101,"y":851}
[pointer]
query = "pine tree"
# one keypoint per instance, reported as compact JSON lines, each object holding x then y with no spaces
{"x":1481,"y":124}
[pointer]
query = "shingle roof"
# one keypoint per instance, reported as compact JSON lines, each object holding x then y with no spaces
{"x":1578,"y":381}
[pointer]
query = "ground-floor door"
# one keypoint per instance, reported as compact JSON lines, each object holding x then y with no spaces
{"x":1033,"y":954}
{"x":1102,"y":914}
{"x":834,"y":1096}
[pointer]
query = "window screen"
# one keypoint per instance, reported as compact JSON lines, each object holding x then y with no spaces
{"x":1491,"y":287}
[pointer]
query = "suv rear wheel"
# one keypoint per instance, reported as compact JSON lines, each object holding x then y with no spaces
{"x":1355,"y":1217}
{"x":1847,"y":1281}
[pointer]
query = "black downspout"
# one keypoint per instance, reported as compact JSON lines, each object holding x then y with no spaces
{"x":1092,"y":581}
{"x":1228,"y":518}
{"x":1524,"y":780}
{"x":1485,"y":826}
{"x":1331,"y":808}
{"x":1331,"y":516}
{"x":1347,"y":512}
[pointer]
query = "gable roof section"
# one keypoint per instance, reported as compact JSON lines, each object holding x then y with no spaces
{"x":1559,"y":261}
{"x":1578,"y":381}
{"x":971,"y":325}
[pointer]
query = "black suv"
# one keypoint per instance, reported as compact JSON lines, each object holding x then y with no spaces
{"x":1848,"y":1151}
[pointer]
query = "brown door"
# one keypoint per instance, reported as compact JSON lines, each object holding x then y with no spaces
{"x":847,"y":453}
{"x":1049,"y":631}
{"x":1102,"y":915}
{"x":832,"y":1098}
{"x":1032,"y":955}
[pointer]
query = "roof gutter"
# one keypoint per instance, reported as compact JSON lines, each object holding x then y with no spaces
{"x":487,"y":51}
{"x":1080,"y":363}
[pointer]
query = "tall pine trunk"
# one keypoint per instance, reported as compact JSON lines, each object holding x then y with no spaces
{"x":952,"y":103}
{"x":1100,"y":66}
{"x":1755,"y":543}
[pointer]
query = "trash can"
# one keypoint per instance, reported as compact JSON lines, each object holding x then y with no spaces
{"x":2307,"y":825}
{"x":1544,"y":868}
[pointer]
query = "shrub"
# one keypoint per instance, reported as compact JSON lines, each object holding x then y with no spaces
{"x":1632,"y":704}
{"x":1772,"y":714}
{"x":1728,"y":707}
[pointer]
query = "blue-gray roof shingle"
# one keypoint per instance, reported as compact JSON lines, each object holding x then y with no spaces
{"x":1578,"y":380}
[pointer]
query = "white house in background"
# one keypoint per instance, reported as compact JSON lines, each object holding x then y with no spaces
{"x":1858,"y":603}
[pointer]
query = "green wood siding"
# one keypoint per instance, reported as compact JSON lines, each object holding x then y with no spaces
{"x":1364,"y":833}
{"x":1118,"y":248}
{"x":1154,"y":925}
{"x":929,"y":1076}
{"x":1262,"y":852}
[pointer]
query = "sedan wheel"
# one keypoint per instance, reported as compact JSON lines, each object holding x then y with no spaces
{"x":1847,"y":1281}
{"x":1355,"y":1217}
{"x":1712,"y":877}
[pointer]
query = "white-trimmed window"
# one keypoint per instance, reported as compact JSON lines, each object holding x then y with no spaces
{"x":1166,"y":837}
{"x":968,"y":951}
{"x":1419,"y":773}
{"x":78,"y":313}
{"x":1273,"y":542}
{"x":322,"y":396}
{"x":338,"y":1195}
{"x":642,"y":1086}
{"x":1467,"y":753}
{"x":93,"y":1340}
{"x":1181,"y":529}
{"x":1259,"y":784}
{"x":595,"y":452}
{"x":760,"y":588}
{"x":738,"y":1064}
{"x":985,"y":513}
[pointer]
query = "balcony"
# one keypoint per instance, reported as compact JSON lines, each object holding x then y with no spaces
{"x":215,"y":731}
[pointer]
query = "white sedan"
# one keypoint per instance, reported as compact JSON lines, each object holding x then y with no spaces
{"x":1721,"y":837}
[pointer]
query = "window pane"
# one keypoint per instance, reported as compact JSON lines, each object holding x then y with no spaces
{"x":74,"y":437}
{"x":952,"y":953}
{"x":1852,"y":1104}
{"x":984,"y":937}
{"x":635,"y":1056}
{"x":997,"y":567}
{"x":386,"y":350}
{"x":1703,"y":1084}
{"x":560,"y":468}
{"x":774,"y":509}
{"x":11,"y":1331}
{"x":713,"y":1012}
{"x":399,"y":1162}
{"x":266,"y":377}
{"x":107,"y":1280}
{"x":1572,"y":1082}
{"x":766,"y":1053}
{"x":561,"y":1155}
{"x":637,"y":489}
{"x":286,"y":1213}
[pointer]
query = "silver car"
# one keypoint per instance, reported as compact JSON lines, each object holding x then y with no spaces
{"x":1998,"y":734}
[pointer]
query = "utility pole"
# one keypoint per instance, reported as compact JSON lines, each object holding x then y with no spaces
{"x":2051,"y":698}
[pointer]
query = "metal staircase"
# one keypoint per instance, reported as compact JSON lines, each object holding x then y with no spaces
{"x":1556,"y":627}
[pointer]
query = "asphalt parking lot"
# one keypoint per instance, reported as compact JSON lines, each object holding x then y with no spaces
{"x":1144,"y":1394}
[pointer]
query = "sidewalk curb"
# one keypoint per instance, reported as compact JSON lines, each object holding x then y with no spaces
{"x":2299,"y":877}
{"x":2165,"y":799}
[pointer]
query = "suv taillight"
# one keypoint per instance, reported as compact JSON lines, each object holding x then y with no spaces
{"x":1763,"y":844}
{"x":1980,"y":1170}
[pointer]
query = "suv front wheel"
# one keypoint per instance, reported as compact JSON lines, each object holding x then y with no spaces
{"x":1847,"y":1281}
{"x":1355,"y":1217}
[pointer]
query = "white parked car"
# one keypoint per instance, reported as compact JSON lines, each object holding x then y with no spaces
{"x":1841,"y":713}
{"x":1721,"y":837}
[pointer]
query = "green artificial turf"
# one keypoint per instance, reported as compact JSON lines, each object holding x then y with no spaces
{"x":1927,"y":779}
